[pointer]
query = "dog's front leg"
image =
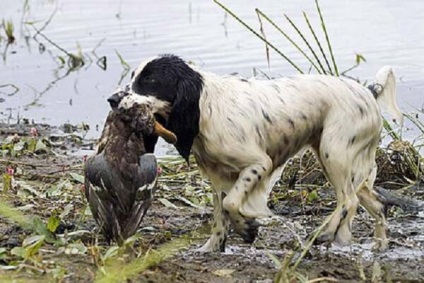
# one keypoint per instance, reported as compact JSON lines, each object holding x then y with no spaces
{"x":248,"y":178}
{"x":220,"y":227}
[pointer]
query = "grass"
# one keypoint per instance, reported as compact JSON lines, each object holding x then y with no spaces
{"x":119,"y":271}
{"x":9,"y":30}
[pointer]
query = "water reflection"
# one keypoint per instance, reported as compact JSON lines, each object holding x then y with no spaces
{"x":384,"y":32}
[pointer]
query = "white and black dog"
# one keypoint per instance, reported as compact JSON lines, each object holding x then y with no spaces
{"x":242,"y":132}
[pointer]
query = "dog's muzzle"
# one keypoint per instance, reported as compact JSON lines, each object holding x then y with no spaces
{"x":116,"y":98}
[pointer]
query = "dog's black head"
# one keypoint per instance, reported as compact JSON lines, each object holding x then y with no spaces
{"x":172,"y":89}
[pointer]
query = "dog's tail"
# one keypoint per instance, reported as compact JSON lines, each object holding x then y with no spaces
{"x":384,"y":90}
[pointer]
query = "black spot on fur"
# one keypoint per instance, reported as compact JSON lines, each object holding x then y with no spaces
{"x":254,"y":171}
{"x":361,"y":110}
{"x":258,"y":132}
{"x":291,"y":122}
{"x":303,"y":116}
{"x":170,"y":79}
{"x":247,"y":179}
{"x":218,"y":233}
{"x":266,"y":116}
{"x":327,"y":155}
{"x":352,"y":140}
{"x":344,"y":213}
{"x":222,"y":243}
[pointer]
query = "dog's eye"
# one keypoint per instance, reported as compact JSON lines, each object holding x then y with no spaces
{"x":149,"y":80}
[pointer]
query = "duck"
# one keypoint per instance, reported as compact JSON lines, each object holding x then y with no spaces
{"x":121,"y":176}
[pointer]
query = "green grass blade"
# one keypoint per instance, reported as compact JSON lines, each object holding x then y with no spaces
{"x":416,"y":122}
{"x":262,"y":30}
{"x":14,"y":215}
{"x":306,"y":41}
{"x":318,"y":42}
{"x":259,"y":36}
{"x":118,"y":271}
{"x":327,"y":39}
{"x":124,"y":63}
{"x":259,"y":12}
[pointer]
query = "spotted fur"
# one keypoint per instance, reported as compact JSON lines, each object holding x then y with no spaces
{"x":242,"y":132}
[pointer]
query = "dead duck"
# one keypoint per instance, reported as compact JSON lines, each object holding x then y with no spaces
{"x":121,"y":177}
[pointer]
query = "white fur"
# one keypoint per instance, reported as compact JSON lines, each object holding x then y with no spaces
{"x":157,"y":106}
{"x":235,"y":135}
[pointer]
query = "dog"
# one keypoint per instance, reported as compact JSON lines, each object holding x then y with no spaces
{"x":242,"y":132}
{"x":121,"y":177}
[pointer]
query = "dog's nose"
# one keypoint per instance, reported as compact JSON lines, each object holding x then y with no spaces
{"x":114,"y":100}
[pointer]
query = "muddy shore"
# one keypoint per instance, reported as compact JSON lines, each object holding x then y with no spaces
{"x":46,"y":185}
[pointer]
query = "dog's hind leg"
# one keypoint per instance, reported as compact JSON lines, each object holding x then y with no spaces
{"x":248,"y":179}
{"x":369,"y":199}
{"x":337,"y":165}
{"x":220,"y":227}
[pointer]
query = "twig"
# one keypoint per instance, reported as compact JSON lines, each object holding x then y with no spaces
{"x":39,"y":94}
{"x":259,"y":36}
{"x":46,"y":23}
{"x":326,"y":279}
{"x":52,"y":43}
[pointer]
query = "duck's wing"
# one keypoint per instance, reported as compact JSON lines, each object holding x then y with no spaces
{"x":144,"y":183}
{"x":119,"y":196}
{"x":101,"y":187}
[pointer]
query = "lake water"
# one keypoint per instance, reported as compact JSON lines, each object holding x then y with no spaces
{"x":385,"y":32}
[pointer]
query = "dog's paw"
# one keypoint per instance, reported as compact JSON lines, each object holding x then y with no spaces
{"x":380,"y":245}
{"x":214,"y":244}
{"x":324,"y":238}
{"x":250,"y":230}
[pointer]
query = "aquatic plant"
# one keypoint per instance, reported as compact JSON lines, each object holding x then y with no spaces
{"x":9,"y":30}
{"x":125,"y":66}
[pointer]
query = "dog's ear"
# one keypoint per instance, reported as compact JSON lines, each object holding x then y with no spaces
{"x":183,"y":120}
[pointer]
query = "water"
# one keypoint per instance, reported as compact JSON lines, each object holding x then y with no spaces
{"x":385,"y":32}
